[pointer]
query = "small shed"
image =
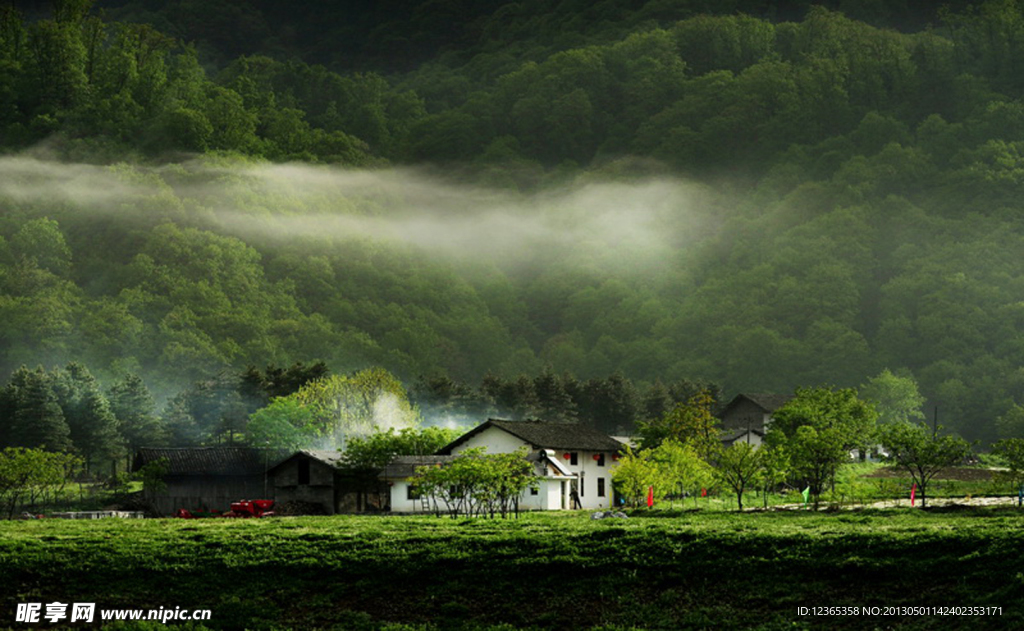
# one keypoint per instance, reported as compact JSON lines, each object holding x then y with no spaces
{"x":317,"y":478}
{"x":207,"y":478}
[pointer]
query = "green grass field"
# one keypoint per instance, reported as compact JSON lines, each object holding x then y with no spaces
{"x":657,"y":570}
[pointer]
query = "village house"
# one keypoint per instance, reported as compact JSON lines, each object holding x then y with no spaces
{"x":747,"y":417}
{"x":206,"y":478}
{"x":573,"y":461}
{"x":316,"y":480}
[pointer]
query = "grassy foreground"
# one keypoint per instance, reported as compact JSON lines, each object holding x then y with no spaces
{"x":661,"y":570}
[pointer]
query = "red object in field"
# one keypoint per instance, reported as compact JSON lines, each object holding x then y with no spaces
{"x":251,"y":508}
{"x":650,"y":497}
{"x":183,"y":513}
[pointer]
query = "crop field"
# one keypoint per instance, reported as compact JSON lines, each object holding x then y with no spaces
{"x":656,"y":570}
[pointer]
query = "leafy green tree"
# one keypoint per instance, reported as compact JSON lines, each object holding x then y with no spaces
{"x":1012,"y":452}
{"x":896,"y":398}
{"x":93,"y":427}
{"x":775,"y":467}
{"x":477,"y":483}
{"x":740,"y":467}
{"x":28,"y":474}
{"x":135,"y":410}
{"x":819,"y":427}
{"x":692,"y":423}
{"x":921,"y":452}
{"x":377,"y":450}
{"x":681,"y":469}
{"x":1011,"y":423}
{"x":284,"y":424}
{"x":357,"y":404}
{"x":635,"y":474}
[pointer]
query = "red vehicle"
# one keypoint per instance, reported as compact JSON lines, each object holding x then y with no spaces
{"x":243,"y":508}
{"x":251,"y":508}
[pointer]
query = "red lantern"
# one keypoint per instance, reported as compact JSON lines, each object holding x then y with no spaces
{"x":566,"y":455}
{"x":597,"y":456}
{"x":615,"y":457}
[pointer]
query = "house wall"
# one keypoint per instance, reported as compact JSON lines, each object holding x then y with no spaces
{"x":748,"y":437}
{"x":497,"y":441}
{"x":320,"y":490}
{"x":208,"y":493}
{"x":400,"y":502}
{"x":746,"y":415}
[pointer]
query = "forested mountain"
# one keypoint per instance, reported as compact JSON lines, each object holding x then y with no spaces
{"x":759,"y":194}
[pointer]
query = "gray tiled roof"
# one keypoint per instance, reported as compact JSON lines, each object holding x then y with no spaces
{"x":405,"y":466}
{"x":766,"y":401}
{"x":331,"y":458}
{"x":547,"y":435}
{"x":208,"y":460}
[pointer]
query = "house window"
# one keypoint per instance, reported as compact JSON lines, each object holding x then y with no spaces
{"x":303,"y":471}
{"x":600,"y":487}
{"x":534,"y":491}
{"x":574,"y":458}
{"x":410,"y":492}
{"x":600,"y":460}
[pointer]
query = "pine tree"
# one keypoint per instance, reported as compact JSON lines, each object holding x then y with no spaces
{"x":38,"y":420}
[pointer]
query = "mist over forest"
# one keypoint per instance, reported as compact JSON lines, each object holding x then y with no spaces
{"x":760,"y":195}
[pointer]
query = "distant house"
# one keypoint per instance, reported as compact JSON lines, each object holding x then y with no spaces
{"x":207,"y":478}
{"x":748,"y":416}
{"x":753,"y":437}
{"x":318,"y":478}
{"x":572,"y":460}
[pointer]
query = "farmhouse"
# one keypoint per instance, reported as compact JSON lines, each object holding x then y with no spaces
{"x":750,"y":415}
{"x":573,"y":461}
{"x":206,"y":478}
{"x":316,"y":478}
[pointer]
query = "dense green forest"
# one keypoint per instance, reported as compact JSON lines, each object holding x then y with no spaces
{"x":762,"y":195}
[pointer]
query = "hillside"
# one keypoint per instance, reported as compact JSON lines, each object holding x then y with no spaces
{"x":771,"y":196}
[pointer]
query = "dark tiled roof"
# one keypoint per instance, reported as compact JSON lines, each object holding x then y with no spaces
{"x":208,"y":460}
{"x":546,"y":435}
{"x":405,"y":466}
{"x":331,"y":458}
{"x":766,"y":401}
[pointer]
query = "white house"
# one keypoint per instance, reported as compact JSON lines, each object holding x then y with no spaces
{"x":573,"y":463}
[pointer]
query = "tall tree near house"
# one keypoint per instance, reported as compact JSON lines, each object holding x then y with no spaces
{"x":740,"y":467}
{"x":637,"y":471}
{"x":38,"y":420}
{"x":775,"y":468}
{"x":896,"y":397}
{"x":819,"y":427}
{"x":92,"y":424}
{"x":553,"y":399}
{"x":611,"y":404}
{"x":692,"y":422}
{"x":921,"y":452}
{"x":681,"y":468}
{"x":1012,"y":451}
{"x":134,"y":408}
